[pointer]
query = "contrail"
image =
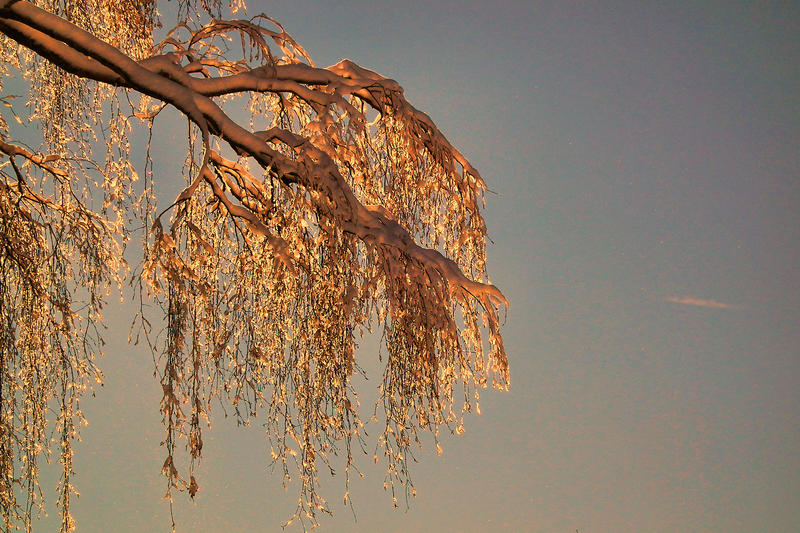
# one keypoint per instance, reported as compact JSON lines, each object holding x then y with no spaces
{"x":698,"y":302}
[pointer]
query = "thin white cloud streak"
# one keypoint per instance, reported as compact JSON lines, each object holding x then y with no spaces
{"x":698,"y":302}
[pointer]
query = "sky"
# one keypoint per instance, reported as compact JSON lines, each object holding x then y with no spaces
{"x":643,"y":158}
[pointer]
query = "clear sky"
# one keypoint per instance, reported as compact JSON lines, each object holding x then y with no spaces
{"x":647,"y":232}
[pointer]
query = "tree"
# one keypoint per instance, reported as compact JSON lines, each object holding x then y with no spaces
{"x":338,"y":208}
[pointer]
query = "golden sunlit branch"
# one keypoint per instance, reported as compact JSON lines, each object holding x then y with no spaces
{"x":339,"y":207}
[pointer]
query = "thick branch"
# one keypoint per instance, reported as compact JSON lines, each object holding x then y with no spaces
{"x":315,"y":170}
{"x":133,"y":75}
{"x":58,"y":52}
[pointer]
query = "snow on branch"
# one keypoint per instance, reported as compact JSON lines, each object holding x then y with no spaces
{"x":339,"y":206}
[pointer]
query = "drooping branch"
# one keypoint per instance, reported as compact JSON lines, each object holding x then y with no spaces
{"x":165,"y":80}
{"x":39,"y":160}
{"x":270,"y":274}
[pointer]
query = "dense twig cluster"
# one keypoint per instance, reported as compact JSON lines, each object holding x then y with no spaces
{"x":339,"y":208}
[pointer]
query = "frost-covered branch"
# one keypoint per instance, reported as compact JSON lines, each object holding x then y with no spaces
{"x":339,"y":206}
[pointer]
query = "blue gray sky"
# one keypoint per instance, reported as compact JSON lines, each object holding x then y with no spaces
{"x":646,"y":229}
